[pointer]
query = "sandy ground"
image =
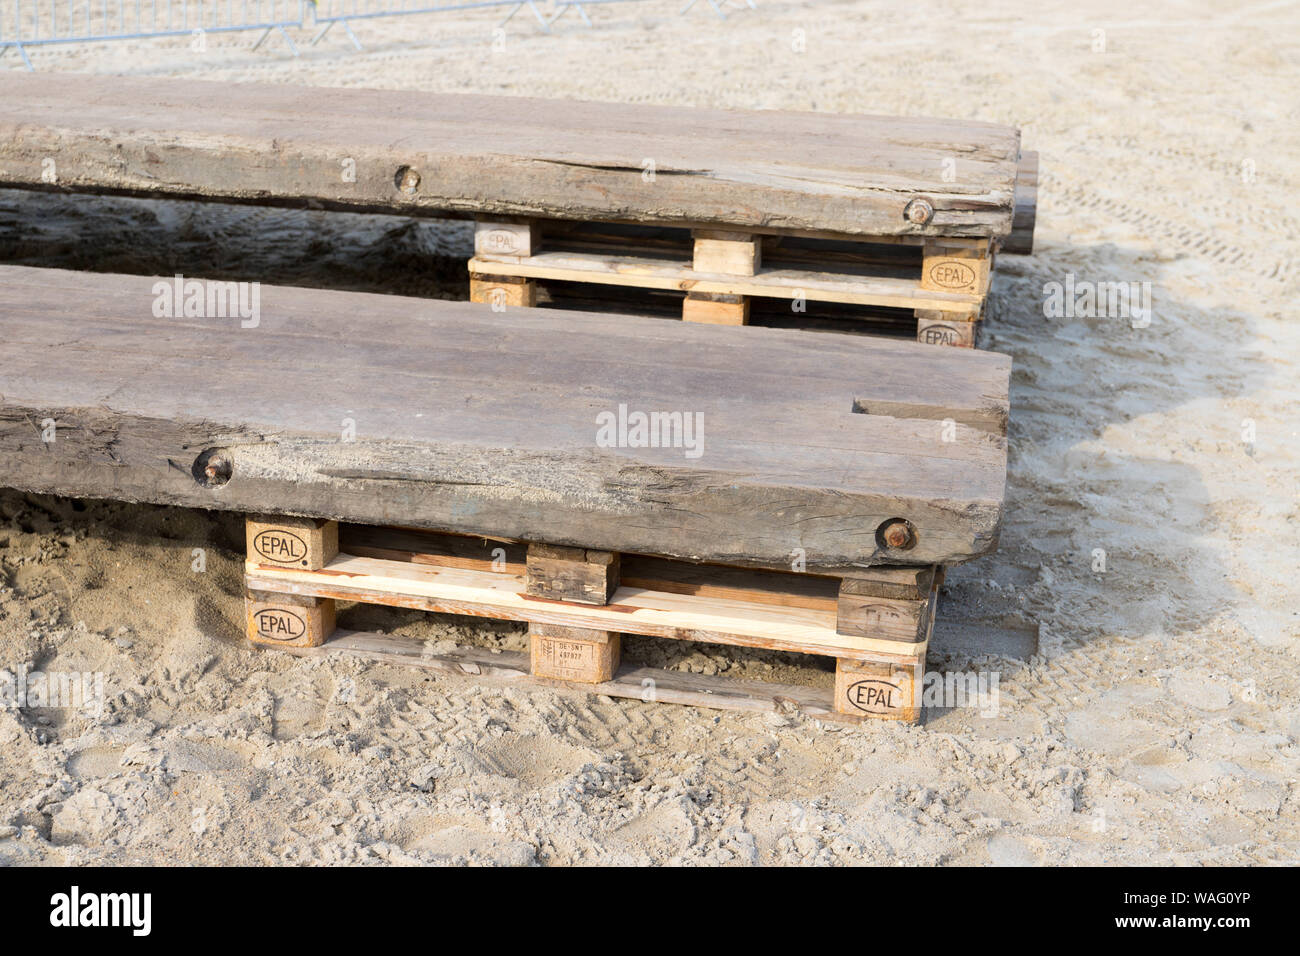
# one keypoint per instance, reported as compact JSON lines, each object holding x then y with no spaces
{"x":1158,"y":722}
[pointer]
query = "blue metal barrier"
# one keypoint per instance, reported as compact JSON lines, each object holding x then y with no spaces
{"x":30,"y":23}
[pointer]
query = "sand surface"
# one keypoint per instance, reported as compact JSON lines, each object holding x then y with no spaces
{"x":1158,"y":721}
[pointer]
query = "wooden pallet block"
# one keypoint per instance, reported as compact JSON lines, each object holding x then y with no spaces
{"x":293,"y":542}
{"x":730,"y":253}
{"x":572,"y":574}
{"x":288,"y":620}
{"x":573,"y":653}
{"x":714,"y":308}
{"x":886,"y":690}
{"x":877,"y":623}
{"x":957,"y":265}
{"x":947,"y":328}
{"x":502,"y":292}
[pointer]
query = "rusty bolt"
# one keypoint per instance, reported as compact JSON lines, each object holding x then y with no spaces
{"x":897,"y":534}
{"x":919,"y":212}
{"x":407,"y":180}
{"x":218,"y":470}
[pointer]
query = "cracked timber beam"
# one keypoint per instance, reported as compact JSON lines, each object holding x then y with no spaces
{"x":414,"y":152}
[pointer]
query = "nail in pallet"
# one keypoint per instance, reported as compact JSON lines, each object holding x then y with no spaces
{"x":579,"y":602}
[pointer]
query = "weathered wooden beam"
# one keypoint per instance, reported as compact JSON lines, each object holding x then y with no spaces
{"x":382,"y":409}
{"x":416,"y":152}
{"x":1021,"y":240}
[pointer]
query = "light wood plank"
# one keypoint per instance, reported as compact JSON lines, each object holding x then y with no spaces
{"x":630,"y":611}
{"x":637,"y":272}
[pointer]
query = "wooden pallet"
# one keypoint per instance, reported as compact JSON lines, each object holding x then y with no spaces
{"x":943,"y":283}
{"x":940,"y":282}
{"x":876,"y":623}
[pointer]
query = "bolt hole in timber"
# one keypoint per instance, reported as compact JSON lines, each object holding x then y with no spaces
{"x":896,"y":534}
{"x":407,"y":180}
{"x":212,"y":468}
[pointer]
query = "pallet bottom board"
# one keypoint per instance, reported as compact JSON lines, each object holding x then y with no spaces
{"x":649,"y":684}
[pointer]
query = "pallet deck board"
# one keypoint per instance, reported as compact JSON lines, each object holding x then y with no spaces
{"x":631,"y":610}
{"x":653,"y":273}
{"x":655,"y":574}
{"x":485,"y":423}
{"x":412,"y":152}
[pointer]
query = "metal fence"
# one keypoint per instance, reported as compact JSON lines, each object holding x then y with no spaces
{"x":326,"y":13}
{"x":31,"y":23}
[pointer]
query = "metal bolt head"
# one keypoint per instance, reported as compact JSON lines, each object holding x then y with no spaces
{"x":919,"y":212}
{"x":218,"y":470}
{"x":407,"y":180}
{"x":897,"y":534}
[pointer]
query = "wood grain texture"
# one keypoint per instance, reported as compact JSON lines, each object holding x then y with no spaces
{"x":574,"y":653}
{"x":1021,"y":240}
{"x":643,"y":273}
{"x":680,"y":616}
{"x":848,"y":175}
{"x":572,"y":574}
{"x":385,"y":410}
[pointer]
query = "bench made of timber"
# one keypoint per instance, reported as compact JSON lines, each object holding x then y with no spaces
{"x":867,"y":212}
{"x":589,"y":476}
{"x":623,"y":434}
